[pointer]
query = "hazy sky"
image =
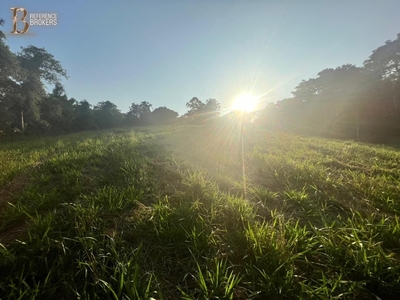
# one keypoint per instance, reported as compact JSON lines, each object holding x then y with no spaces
{"x":168,"y":51}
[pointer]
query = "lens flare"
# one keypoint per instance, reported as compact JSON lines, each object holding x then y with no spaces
{"x":245,"y":102}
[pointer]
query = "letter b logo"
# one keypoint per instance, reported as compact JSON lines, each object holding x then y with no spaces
{"x":15,"y":18}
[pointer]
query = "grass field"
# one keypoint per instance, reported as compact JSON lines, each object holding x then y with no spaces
{"x":198,"y":212}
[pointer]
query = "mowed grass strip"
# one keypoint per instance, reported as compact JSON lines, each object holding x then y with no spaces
{"x":183,"y":213}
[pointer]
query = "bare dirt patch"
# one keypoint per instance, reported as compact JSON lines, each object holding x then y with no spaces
{"x":14,"y":187}
{"x":8,"y":194}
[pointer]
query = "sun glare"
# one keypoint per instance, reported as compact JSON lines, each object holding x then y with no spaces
{"x":245,"y":102}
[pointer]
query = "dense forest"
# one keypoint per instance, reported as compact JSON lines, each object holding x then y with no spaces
{"x":361,"y":103}
{"x":345,"y":102}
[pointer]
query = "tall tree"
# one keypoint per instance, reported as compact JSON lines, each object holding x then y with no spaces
{"x":382,"y":89}
{"x":212,"y":105}
{"x":202,"y":112}
{"x":107,"y":115}
{"x":384,"y":61}
{"x":84,"y":117}
{"x":57,"y":111}
{"x":163,"y":115}
{"x":41,"y":68}
{"x":139,"y":113}
{"x":195,"y":106}
{"x":323,"y":102}
{"x":10,"y":92}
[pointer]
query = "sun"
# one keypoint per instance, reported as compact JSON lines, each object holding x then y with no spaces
{"x":245,"y":102}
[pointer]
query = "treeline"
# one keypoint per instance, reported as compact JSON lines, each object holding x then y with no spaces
{"x":346,"y":102}
{"x":26,"y":106}
{"x":361,"y":103}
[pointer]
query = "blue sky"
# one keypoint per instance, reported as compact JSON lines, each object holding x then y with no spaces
{"x":167,"y":52}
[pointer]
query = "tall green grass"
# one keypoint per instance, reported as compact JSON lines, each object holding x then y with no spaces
{"x":163,"y":212}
